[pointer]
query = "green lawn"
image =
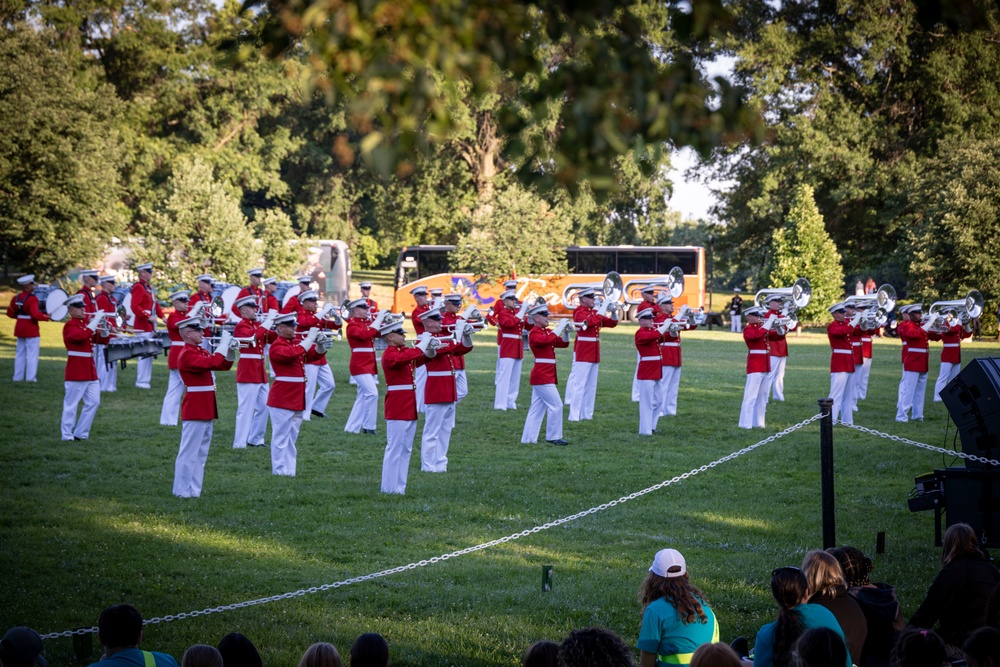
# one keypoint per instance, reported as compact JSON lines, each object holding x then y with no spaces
{"x":90,"y":524}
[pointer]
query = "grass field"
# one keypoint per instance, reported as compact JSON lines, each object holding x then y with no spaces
{"x":89,"y":524}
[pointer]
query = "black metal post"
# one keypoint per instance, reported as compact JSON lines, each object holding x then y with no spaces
{"x":826,"y":472}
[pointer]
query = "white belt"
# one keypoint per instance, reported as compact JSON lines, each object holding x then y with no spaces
{"x":866,"y":340}
{"x":758,"y":352}
{"x":78,"y":354}
{"x":400,"y":387}
{"x":650,"y":359}
{"x":855,"y":343}
{"x":25,"y":317}
{"x":843,"y":351}
{"x":917,"y":349}
{"x":950,"y":345}
{"x":195,"y":390}
{"x":545,"y":361}
{"x":439,"y":374}
{"x":587,"y":339}
{"x":177,"y":343}
{"x":250,"y":356}
{"x":363,"y":349}
{"x":279,"y":378}
{"x":514,"y":336}
{"x":670,"y":344}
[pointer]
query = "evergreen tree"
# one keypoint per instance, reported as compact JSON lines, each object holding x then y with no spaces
{"x":282,"y":253}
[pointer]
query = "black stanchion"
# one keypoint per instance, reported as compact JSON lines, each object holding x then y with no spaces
{"x":826,"y":472}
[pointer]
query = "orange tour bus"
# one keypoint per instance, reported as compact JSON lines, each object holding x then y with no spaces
{"x":430,"y":265}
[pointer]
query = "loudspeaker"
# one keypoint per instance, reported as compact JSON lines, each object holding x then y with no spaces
{"x":973,"y":497}
{"x":973,"y":401}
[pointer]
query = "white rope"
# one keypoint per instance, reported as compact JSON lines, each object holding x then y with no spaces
{"x":460,"y":552}
{"x":932,"y":448}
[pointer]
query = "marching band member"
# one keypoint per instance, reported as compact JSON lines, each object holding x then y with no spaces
{"x":914,"y":382}
{"x":452,"y":304}
{"x":286,"y":401}
{"x":270,"y":303}
{"x":420,"y":296}
{"x":251,"y":378}
{"x":839,"y":332}
{"x":778,"y":348}
{"x":89,"y":279}
{"x":107,"y":372}
{"x":24,"y":308}
{"x":581,"y":385}
{"x":545,"y":401}
{"x":951,"y":353}
{"x":294,"y":303}
{"x":205,"y":294}
{"x":670,"y":350}
{"x":648,"y":301}
{"x":852,"y":314}
{"x":254,"y":289}
{"x":494,"y":312}
{"x":441,"y":396}
{"x":755,"y":335}
{"x":175,"y":385}
{"x":436,"y":297}
{"x":361,"y":334}
{"x":319,"y":378}
{"x":866,"y":360}
{"x":145,"y":309}
{"x":650,"y":368}
{"x":81,"y":373}
{"x":736,"y":312}
{"x":366,"y":290}
{"x":508,"y":378}
{"x":398,"y":366}
{"x":199,"y":409}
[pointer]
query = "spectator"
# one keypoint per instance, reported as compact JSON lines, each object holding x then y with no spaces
{"x":676,"y":618}
{"x":541,"y":654}
{"x":594,"y":647}
{"x":238,"y":651}
{"x":820,"y":647}
{"x":21,"y":647}
{"x":957,"y":599}
{"x":918,"y":648}
{"x":859,"y":288}
{"x":828,"y":588}
{"x":119,"y":629}
{"x":369,"y":650}
{"x":983,"y":647}
{"x":202,"y":655}
{"x":870,"y":287}
{"x":775,"y":640}
{"x":715,"y":655}
{"x":878,"y":602}
{"x":321,"y":654}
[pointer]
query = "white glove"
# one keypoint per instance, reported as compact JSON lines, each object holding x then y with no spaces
{"x":663,"y":327}
{"x":968,"y":327}
{"x":856,"y":319}
{"x":562,"y":330}
{"x":268,"y":322}
{"x":377,"y":322}
{"x":424,"y":345}
{"x":931,"y":320}
{"x":467,"y":315}
{"x":95,"y":321}
{"x":224,"y":342}
{"x":616,"y":313}
{"x":196,"y":309}
{"x":309,"y":339}
{"x":523,"y":310}
{"x":467,"y":338}
{"x":322,"y":344}
{"x":769,"y":322}
{"x":792,"y":325}
{"x":564,"y":334}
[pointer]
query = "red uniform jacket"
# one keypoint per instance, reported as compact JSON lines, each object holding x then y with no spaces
{"x":143,"y":305}
{"x":360,"y":337}
{"x":308,"y":321}
{"x":250,"y":290}
{"x":758,"y":356}
{"x":272,"y":303}
{"x":440,"y":386}
{"x":857,"y":346}
{"x":176,"y":342}
{"x":777,"y":345}
{"x":196,"y":365}
{"x":914,"y":345}
{"x":106,"y":302}
{"x":372,"y":308}
{"x":587,"y":347}
{"x":866,"y":342}
{"x":647,"y":342}
{"x":491,"y":317}
{"x":398,"y":366}
{"x":951,"y":351}
{"x":288,"y":361}
{"x":543,"y":344}
{"x":79,"y":340}
{"x":89,"y":303}
{"x":511,"y":326}
{"x":24,"y":308}
{"x":670,"y":348}
{"x":842,"y":357}
{"x":250,"y":369}
{"x":418,"y":326}
{"x":450,"y":319}
{"x":292,"y":306}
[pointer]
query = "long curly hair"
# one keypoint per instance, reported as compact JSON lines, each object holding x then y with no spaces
{"x":679,"y":592}
{"x":823,"y":574}
{"x":960,"y":540}
{"x":789,"y":587}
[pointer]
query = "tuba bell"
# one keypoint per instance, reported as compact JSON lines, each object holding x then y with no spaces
{"x":957,"y":311}
{"x":792,"y":299}
{"x":673,"y":282}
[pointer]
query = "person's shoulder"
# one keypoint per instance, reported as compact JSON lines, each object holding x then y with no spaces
{"x":815,"y":614}
{"x":164,"y":659}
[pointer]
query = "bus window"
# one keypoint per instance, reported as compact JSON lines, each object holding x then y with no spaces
{"x":432,"y":262}
{"x":598,"y":261}
{"x":686,"y":259}
{"x":636,"y":262}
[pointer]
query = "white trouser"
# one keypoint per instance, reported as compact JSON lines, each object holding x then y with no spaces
{"x":143,"y":372}
{"x":396,"y":462}
{"x":545,"y":402}
{"x":251,"y":414}
{"x":284,"y":432}
{"x":669,"y":385}
{"x":172,"y":399}
{"x":947,"y":373}
{"x":736,"y":326}
{"x":911,"y":396}
{"x":461,"y":384}
{"x":267,"y":360}
{"x":754,"y":401}
{"x":856,"y":385}
{"x":635,"y":380}
{"x":508,"y":384}
{"x":439,"y":419}
{"x":420,"y":380}
{"x":90,"y":392}
{"x":26,"y":359}
{"x":318,"y":396}
{"x":649,"y":406}
{"x":365,"y":410}
{"x":776,"y":378}
{"x":107,"y":374}
{"x":866,"y":371}
{"x":189,"y":468}
{"x":842,"y":393}
{"x":581,"y":390}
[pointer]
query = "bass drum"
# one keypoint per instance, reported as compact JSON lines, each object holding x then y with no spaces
{"x":123,"y":297}
{"x":55,"y":304}
{"x":289,"y":293}
{"x":227,"y":294}
{"x":41,"y":293}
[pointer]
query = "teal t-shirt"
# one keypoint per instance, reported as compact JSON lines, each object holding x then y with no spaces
{"x":813,"y":616}
{"x":133,"y":657}
{"x":664,"y":634}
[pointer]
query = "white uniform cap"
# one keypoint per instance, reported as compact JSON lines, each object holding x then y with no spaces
{"x":754,"y":311}
{"x":668,"y":563}
{"x":454,"y":298}
{"x":287,"y":318}
{"x":586,"y":292}
{"x":648,"y":289}
{"x":664,"y":297}
{"x":437,"y":291}
{"x":250,"y":300}
{"x":270,"y":281}
{"x":305,"y":279}
{"x":358,"y":303}
{"x":417,"y":291}
{"x":26,"y":280}
{"x":837,"y":307}
{"x":365,"y":285}
{"x":510,"y":284}
{"x":736,"y":290}
{"x":179,"y":294}
{"x":644,"y":313}
{"x":392,"y":327}
{"x":308,"y":295}
{"x":255,"y":272}
{"x":433,"y":313}
{"x":75,"y":300}
{"x":540,"y":310}
{"x":509,"y":294}
{"x":913,"y":307}
{"x":109,"y":278}
{"x":148,"y":266}
{"x":92,"y":273}
{"x":204,"y":278}
{"x":192,"y":322}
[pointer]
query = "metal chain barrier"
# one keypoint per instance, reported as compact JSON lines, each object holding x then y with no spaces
{"x":932,"y":448}
{"x":460,"y":552}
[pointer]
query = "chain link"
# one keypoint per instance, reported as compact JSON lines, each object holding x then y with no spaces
{"x":932,"y":448}
{"x":461,"y":552}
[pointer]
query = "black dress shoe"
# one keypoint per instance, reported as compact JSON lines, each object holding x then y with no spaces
{"x":558,"y":442}
{"x":368,"y":431}
{"x":79,"y":439}
{"x":317,"y":413}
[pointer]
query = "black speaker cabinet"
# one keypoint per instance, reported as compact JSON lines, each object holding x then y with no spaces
{"x":973,"y":401}
{"x":973,"y":497}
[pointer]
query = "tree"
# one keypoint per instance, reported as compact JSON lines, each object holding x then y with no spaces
{"x":282,"y":254}
{"x":803,"y":249}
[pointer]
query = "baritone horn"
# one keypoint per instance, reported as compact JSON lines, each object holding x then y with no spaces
{"x":960,"y":311}
{"x":571,"y":293}
{"x":673,"y":282}
{"x":792,"y":299}
{"x":876,"y":307}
